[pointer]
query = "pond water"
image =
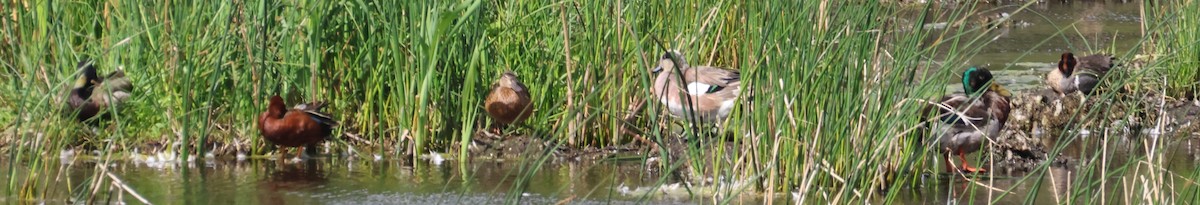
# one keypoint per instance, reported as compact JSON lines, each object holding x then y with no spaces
{"x":1029,"y":44}
{"x":340,"y":180}
{"x":329,"y":180}
{"x":1126,"y":164}
{"x":1088,"y":26}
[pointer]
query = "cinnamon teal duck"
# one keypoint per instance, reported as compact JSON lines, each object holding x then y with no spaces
{"x":303,"y":125}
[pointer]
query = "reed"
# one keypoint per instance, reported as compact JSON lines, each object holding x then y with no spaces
{"x":1178,"y":58}
{"x":836,"y":85}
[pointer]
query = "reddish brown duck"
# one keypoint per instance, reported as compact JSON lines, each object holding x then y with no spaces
{"x":300,"y":126}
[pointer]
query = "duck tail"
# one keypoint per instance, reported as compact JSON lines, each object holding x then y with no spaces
{"x":314,"y":111}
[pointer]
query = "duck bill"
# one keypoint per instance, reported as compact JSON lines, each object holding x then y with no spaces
{"x":1000,"y":90}
{"x":81,"y":82}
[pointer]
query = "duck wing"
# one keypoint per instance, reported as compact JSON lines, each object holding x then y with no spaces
{"x":954,"y":108}
{"x":1096,"y":65}
{"x":113,"y":89}
{"x":999,"y":108}
{"x":314,"y":111}
{"x":706,"y":79}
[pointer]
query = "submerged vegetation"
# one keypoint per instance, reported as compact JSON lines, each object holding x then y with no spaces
{"x":832,"y":90}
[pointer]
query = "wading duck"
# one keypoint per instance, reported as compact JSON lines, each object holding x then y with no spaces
{"x":966,"y":119}
{"x":508,"y":101}
{"x":303,"y":125}
{"x":92,"y":95}
{"x":704,"y":93}
{"x":1078,"y":74}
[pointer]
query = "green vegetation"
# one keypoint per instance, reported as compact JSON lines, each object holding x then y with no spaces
{"x":1176,"y":44}
{"x":836,"y":85}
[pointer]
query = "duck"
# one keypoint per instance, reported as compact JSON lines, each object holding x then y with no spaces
{"x":509,"y":101}
{"x":703,"y":93}
{"x":92,"y":95}
{"x":966,"y":119}
{"x":302,"y":126}
{"x":1078,"y":74}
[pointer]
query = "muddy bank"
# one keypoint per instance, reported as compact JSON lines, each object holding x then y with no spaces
{"x":1042,"y":121}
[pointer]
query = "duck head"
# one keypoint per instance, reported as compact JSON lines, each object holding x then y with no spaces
{"x":976,"y":80}
{"x":511,"y":81}
{"x":275,"y":107}
{"x":1066,"y":64}
{"x":87,"y":75}
{"x":668,"y":62}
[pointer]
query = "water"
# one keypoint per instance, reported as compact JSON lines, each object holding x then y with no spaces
{"x":1029,"y":45}
{"x":1119,"y":167}
{"x":343,"y":181}
{"x":1020,"y":55}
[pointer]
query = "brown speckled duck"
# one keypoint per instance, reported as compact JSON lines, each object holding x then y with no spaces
{"x":509,"y":101}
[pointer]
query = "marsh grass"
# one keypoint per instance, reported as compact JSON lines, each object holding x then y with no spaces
{"x":1178,"y":43}
{"x":832,"y":89}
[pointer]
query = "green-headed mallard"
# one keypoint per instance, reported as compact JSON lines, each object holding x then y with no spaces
{"x":708,"y":92}
{"x":92,"y":95}
{"x":965,"y":119}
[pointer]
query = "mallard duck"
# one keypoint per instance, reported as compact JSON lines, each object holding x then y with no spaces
{"x":92,"y":95}
{"x":705,"y":93}
{"x":509,"y":101}
{"x":303,"y":125}
{"x":1078,"y":74}
{"x":965,"y":119}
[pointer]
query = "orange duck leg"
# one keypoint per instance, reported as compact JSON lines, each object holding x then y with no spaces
{"x":965,"y":167}
{"x":297,"y":127}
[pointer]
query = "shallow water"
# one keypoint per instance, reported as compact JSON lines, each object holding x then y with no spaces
{"x":339,"y":180}
{"x":345,"y":181}
{"x":1030,"y":43}
{"x":1120,"y":167}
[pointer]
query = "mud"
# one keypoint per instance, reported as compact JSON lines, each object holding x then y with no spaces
{"x":1042,"y":120}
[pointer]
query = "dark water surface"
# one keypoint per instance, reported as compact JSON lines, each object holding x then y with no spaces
{"x":341,"y":181}
{"x":1027,"y":46}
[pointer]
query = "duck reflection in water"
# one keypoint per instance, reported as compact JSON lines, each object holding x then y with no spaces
{"x":285,"y":181}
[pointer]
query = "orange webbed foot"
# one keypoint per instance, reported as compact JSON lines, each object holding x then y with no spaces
{"x":966,"y":167}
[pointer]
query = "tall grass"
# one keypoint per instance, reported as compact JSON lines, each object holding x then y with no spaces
{"x":1177,"y":43}
{"x":831,"y":94}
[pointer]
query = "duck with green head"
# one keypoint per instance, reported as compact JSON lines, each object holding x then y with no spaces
{"x":91,"y":94}
{"x":966,"y":119}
